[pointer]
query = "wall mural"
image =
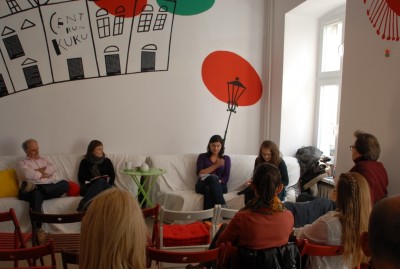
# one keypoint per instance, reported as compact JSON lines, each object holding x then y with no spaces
{"x":384,"y":16}
{"x":56,"y":41}
{"x":53,"y":41}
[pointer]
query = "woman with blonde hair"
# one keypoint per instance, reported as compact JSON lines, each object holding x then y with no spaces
{"x":342,"y":226}
{"x":113,"y":233}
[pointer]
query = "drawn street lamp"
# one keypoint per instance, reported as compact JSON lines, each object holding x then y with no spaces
{"x":235,"y":91}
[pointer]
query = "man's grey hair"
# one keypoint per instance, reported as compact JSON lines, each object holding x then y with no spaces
{"x":26,"y":143}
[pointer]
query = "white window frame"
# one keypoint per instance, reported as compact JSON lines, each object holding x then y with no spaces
{"x":328,"y":78}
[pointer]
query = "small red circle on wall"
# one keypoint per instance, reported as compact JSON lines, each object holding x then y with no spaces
{"x":221,"y":67}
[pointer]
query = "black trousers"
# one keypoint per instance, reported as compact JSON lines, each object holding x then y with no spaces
{"x":89,"y":191}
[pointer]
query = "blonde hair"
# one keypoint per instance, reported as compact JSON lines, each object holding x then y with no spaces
{"x":113,"y":233}
{"x":354,"y":202}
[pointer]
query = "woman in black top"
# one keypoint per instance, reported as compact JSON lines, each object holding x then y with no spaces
{"x":96,"y":173}
{"x":269,"y":153}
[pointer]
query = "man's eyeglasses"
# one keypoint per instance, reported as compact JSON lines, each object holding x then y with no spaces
{"x":352,"y":147}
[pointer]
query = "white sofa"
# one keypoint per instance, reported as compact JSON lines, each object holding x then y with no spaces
{"x":68,"y":165}
{"x":174,"y":190}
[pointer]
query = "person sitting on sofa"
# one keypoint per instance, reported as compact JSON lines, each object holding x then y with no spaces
{"x":113,"y":232}
{"x":39,"y":181}
{"x":96,"y":173}
{"x":342,"y":226}
{"x":213,"y":169}
{"x":269,"y":153}
{"x":365,"y":154}
{"x":382,"y":241}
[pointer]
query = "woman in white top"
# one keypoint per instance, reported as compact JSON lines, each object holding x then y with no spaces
{"x":342,"y":226}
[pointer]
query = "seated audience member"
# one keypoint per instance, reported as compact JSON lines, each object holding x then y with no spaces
{"x":264,"y":222}
{"x":382,"y":241}
{"x":213,"y":169}
{"x":342,"y":226}
{"x":39,"y":181}
{"x":96,"y":173}
{"x":113,"y":233}
{"x":365,"y":153}
{"x":269,"y":153}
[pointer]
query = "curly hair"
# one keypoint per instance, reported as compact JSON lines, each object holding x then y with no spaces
{"x":354,"y":202}
{"x":275,"y":153}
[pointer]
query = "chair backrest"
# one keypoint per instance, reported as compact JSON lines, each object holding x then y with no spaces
{"x":69,"y":257}
{"x":15,"y":240}
{"x":184,"y":217}
{"x":32,"y":253}
{"x":310,"y":249}
{"x":225,"y":214}
{"x":183,"y":257}
{"x":154,"y":213}
{"x":61,"y":240}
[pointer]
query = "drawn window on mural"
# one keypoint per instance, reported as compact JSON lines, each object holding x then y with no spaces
{"x":75,"y":68}
{"x":145,"y":19}
{"x":103,"y":23}
{"x":113,"y":65}
{"x":14,"y":47}
{"x":160,"y":22}
{"x":119,"y":20}
{"x":148,"y":58}
{"x":3,"y":87}
{"x":32,"y":76}
{"x":13,"y":5}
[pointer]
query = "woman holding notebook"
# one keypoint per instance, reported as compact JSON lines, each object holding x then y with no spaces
{"x":96,"y":173}
{"x":213,"y":169}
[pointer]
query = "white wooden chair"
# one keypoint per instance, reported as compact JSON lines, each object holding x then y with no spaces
{"x":183,"y":225}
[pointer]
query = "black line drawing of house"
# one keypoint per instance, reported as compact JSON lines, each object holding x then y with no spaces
{"x":75,"y":39}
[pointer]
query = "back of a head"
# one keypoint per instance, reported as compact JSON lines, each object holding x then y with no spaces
{"x":367,"y":145}
{"x":353,"y":200}
{"x":383,"y":234}
{"x":113,"y":232}
{"x":266,"y":180}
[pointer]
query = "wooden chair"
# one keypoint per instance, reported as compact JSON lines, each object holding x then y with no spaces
{"x":14,"y":240}
{"x":180,"y":257}
{"x":17,"y":239}
{"x":307,"y":248}
{"x":31,"y":254}
{"x":69,"y":257}
{"x":152,"y":212}
{"x":62,"y":241}
{"x":185,"y":222}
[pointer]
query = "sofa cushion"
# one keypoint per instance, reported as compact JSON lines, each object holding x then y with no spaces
{"x":74,"y":189}
{"x":9,"y":183}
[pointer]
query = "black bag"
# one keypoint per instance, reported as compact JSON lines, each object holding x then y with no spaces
{"x":27,"y":186}
{"x":284,"y":257}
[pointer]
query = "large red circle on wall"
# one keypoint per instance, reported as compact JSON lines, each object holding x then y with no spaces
{"x":221,"y":67}
{"x":112,"y":5}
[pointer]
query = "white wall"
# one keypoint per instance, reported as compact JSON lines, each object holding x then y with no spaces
{"x":370,"y":92}
{"x":298,"y":89}
{"x":369,"y":89}
{"x":160,"y":112}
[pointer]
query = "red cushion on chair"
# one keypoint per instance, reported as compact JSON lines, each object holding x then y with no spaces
{"x":74,"y":189}
{"x":186,"y":234}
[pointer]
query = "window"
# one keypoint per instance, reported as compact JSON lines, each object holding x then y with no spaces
{"x":329,"y":77}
